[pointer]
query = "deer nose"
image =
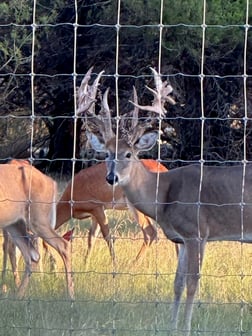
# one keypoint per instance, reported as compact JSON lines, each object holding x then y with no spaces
{"x":112,"y":179}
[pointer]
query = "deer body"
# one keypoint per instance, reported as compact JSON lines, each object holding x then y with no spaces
{"x":91,"y":195}
{"x":28,"y":204}
{"x":193,"y":204}
{"x":179,"y":204}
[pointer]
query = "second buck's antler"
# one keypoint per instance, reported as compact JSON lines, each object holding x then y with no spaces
{"x":86,"y":99}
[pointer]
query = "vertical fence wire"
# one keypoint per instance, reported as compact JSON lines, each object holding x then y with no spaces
{"x":202,"y":161}
{"x":160,"y":27}
{"x":245,"y":161}
{"x":75,"y":120}
{"x":117,"y":117}
{"x":33,"y":26}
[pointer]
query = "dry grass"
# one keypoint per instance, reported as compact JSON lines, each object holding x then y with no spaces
{"x":132,"y":299}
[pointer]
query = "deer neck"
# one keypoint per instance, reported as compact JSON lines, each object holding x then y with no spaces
{"x":141,"y":187}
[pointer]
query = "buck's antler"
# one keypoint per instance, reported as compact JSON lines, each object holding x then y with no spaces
{"x":161,"y":96}
{"x":101,"y":122}
{"x":106,"y":118}
{"x":86,"y":94}
{"x":86,"y":99}
{"x":136,"y":128}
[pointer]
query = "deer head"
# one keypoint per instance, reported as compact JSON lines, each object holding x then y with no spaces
{"x":133,"y":137}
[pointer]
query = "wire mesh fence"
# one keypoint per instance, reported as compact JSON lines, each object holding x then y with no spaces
{"x":124,"y":274}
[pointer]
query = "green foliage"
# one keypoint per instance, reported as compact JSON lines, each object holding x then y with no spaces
{"x":16,"y":36}
{"x":15,"y":40}
{"x":222,"y":12}
{"x":182,"y":22}
{"x":188,"y":12}
{"x":16,"y":11}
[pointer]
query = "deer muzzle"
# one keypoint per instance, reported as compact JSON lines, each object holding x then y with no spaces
{"x":111,"y":178}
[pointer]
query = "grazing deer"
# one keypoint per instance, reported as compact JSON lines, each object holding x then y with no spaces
{"x":91,"y":195}
{"x":28,"y":204}
{"x":9,"y":247}
{"x":193,"y":204}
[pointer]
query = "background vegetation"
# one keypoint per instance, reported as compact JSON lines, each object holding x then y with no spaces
{"x":139,"y":39}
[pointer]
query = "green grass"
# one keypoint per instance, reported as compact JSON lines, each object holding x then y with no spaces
{"x":130,"y":299}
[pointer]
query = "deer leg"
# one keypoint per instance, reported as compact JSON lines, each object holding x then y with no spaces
{"x":37,"y":243}
{"x":5,"y":256}
{"x":148,"y":229}
{"x":195,"y":252}
{"x":177,"y":249}
{"x":48,"y":255}
{"x":13,"y":260}
{"x":103,"y":222}
{"x":62,"y":246}
{"x":19,"y":236}
{"x":8,"y":249}
{"x":179,"y":283}
{"x":92,"y":235}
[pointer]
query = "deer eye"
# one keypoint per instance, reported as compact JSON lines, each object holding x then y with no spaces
{"x":128,"y":155}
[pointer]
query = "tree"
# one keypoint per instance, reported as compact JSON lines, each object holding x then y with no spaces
{"x":37,"y":88}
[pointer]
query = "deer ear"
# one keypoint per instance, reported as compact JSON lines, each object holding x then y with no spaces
{"x":96,"y":142}
{"x":146,"y":141}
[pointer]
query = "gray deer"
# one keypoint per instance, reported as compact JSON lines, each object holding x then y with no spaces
{"x":192,"y":204}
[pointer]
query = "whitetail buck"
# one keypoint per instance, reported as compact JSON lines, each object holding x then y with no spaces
{"x":193,"y":204}
{"x":92,"y":195}
{"x":28,"y":204}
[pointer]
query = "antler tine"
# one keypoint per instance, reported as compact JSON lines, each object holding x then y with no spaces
{"x":82,"y":91}
{"x":96,"y":84}
{"x":106,"y":117}
{"x":161,"y":95}
{"x":86,"y":94}
{"x":163,"y":88}
{"x":86,"y":103}
{"x":136,"y":109}
{"x":136,"y":128}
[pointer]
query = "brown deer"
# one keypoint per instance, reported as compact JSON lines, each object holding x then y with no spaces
{"x":193,"y":204}
{"x":9,"y":248}
{"x":90,"y":195}
{"x":28,"y":204}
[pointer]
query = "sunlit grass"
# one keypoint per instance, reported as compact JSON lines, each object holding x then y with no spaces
{"x":127,"y":298}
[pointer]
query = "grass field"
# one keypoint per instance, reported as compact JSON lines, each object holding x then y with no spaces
{"x":131,"y":299}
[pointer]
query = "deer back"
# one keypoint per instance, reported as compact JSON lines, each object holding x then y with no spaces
{"x":25,"y":193}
